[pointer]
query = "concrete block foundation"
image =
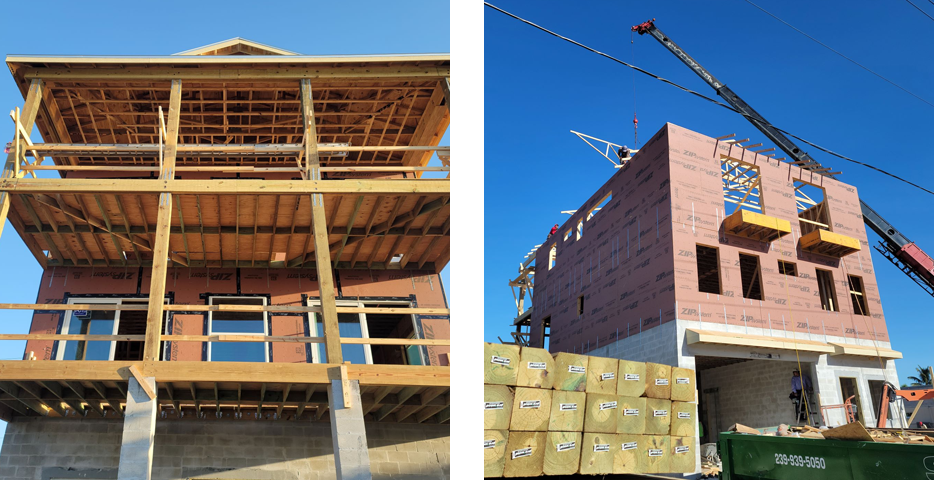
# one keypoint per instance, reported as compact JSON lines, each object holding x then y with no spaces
{"x":52,"y":448}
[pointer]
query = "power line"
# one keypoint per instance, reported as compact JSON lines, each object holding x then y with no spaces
{"x":828,"y":47}
{"x":705,"y":97}
{"x":919,"y":9}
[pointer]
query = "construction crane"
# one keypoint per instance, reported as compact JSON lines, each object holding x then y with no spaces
{"x":894,"y":246}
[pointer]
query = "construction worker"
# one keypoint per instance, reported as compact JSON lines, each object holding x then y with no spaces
{"x":623,"y":153}
{"x":800,"y":388}
{"x":796,"y":384}
{"x":553,"y":231}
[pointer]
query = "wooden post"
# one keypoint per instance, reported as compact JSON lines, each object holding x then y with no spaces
{"x":28,"y":120}
{"x":332,"y":341}
{"x":446,"y":85}
{"x":160,"y":248}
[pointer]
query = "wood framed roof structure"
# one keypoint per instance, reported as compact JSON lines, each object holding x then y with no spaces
{"x":239,"y":116}
{"x":236,"y":154}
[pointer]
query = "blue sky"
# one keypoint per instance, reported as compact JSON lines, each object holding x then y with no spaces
{"x":538,"y":87}
{"x":113,"y":28}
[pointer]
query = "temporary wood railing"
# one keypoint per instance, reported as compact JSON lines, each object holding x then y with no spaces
{"x":223,"y":338}
{"x":24,"y":148}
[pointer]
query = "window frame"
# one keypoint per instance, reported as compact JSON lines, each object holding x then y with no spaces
{"x":265,"y":324}
{"x":69,"y":314}
{"x":364,"y":327}
{"x":553,"y":256}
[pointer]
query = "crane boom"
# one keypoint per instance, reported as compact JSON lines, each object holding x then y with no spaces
{"x":894,"y":246}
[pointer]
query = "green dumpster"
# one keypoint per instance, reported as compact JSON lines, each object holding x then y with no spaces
{"x":794,"y":458}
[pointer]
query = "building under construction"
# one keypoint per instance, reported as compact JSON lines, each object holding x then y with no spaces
{"x":702,"y":253}
{"x":240,"y":249}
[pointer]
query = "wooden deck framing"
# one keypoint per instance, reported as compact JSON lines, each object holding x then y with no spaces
{"x":285,"y":162}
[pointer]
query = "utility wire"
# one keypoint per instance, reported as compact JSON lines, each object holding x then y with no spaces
{"x":705,"y":97}
{"x":919,"y":9}
{"x":828,"y":47}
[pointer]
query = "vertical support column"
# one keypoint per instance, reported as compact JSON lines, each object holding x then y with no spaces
{"x":319,"y":230}
{"x":160,"y":250}
{"x":28,"y":119}
{"x":348,"y":432}
{"x":139,"y":430}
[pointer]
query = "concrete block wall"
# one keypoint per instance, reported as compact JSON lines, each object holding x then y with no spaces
{"x":753,"y":393}
{"x":831,"y":368}
{"x":35,"y":449}
{"x":656,"y":345}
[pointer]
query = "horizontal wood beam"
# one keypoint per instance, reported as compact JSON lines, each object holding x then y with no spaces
{"x":192,"y":149}
{"x":222,"y":339}
{"x":382,"y":266}
{"x":220,"y":372}
{"x":230,"y":169}
{"x":229,"y":397}
{"x":208,"y":72}
{"x":103,"y":307}
{"x":192,"y":229}
{"x":223,"y":187}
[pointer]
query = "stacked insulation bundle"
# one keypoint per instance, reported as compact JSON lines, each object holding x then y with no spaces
{"x":571,"y":414}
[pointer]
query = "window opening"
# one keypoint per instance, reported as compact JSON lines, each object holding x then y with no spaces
{"x":567,"y":235}
{"x":392,"y":326}
{"x":552,"y":256}
{"x":708,"y":269}
{"x":858,"y":295}
{"x":397,"y":258}
{"x":361,"y":325}
{"x":113,"y":322}
{"x":580,"y":229}
{"x":812,"y":207}
{"x":828,"y":296}
{"x":751,"y":277}
{"x":580,"y":305}
{"x":787,"y":268}
{"x":741,"y":186}
{"x":602,"y":203}
{"x":849,"y":388}
{"x":237,"y":323}
{"x":875,"y":392}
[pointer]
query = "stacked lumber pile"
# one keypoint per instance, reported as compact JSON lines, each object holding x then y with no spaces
{"x":569,"y":414}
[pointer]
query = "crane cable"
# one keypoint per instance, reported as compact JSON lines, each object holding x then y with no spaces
{"x":828,"y":47}
{"x":805,"y":398}
{"x":635,"y":119}
{"x":709,"y":99}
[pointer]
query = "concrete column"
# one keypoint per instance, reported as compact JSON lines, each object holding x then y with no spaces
{"x":348,"y":433}
{"x":139,"y":428}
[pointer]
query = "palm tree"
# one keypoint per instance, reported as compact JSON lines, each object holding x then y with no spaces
{"x":923,"y":378}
